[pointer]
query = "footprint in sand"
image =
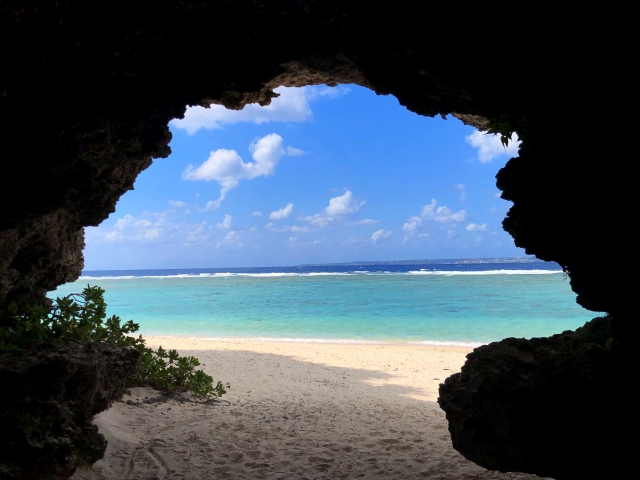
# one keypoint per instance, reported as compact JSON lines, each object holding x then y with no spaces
{"x":235,"y":456}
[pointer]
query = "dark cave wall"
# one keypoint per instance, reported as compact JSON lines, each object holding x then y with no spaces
{"x":49,"y":397}
{"x":548,"y":406}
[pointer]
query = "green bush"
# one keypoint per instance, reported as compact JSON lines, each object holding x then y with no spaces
{"x":83,"y":318}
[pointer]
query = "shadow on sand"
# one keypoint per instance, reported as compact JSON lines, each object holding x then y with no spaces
{"x":284,"y":418}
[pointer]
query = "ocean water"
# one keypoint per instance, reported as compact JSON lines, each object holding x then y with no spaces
{"x":465,"y":304}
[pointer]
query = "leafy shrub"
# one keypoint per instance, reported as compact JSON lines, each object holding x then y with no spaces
{"x":83,"y":318}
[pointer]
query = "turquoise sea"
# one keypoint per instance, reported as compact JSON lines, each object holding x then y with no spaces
{"x":459,"y":304}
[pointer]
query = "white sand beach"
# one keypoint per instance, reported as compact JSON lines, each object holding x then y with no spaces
{"x":294,"y":411}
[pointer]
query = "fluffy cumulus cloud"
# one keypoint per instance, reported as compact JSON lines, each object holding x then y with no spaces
{"x":343,"y":205}
{"x":474,"y":227}
{"x":412,"y":224}
{"x":177,"y":203}
{"x":379,"y":234}
{"x":282,"y":213}
{"x":227,"y":167}
{"x":338,"y":208}
{"x":490,"y":147}
{"x":292,"y":105}
{"x":431,"y":212}
{"x":441,"y":214}
{"x":226,"y":223}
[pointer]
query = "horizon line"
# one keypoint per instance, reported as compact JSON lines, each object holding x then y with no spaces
{"x":473,"y":260}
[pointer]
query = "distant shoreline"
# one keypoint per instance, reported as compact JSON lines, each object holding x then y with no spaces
{"x":382,"y":263}
{"x":437,"y":261}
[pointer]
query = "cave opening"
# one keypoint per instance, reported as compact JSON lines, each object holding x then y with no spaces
{"x":245,"y":193}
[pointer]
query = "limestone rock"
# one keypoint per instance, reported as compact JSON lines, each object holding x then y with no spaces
{"x":48,"y":399}
{"x":546,"y":406}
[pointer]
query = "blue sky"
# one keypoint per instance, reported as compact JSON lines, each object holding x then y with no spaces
{"x":321,"y":175}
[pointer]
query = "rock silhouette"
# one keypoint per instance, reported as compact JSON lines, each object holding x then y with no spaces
{"x":531,"y":405}
{"x":48,"y":399}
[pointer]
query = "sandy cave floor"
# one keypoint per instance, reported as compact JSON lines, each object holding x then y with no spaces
{"x":294,"y":411}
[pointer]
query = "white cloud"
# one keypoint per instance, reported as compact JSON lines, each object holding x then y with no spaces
{"x":441,"y":214}
{"x":287,"y":228}
{"x":446,"y":215}
{"x":232,"y":238}
{"x":226,"y":223}
{"x":166,"y":229}
{"x":411,"y":224}
{"x":151,"y":227}
{"x":432,"y":212}
{"x":193,"y":234}
{"x":463,"y":192}
{"x":295,"y":152}
{"x":342,"y":205}
{"x":282,"y":213}
{"x":338,"y":207}
{"x":313,"y":92}
{"x":291,"y":106}
{"x":490,"y":147}
{"x":378,"y":234}
{"x":256,"y":214}
{"x":293,"y":239}
{"x":227,"y":168}
{"x":411,"y":235}
{"x":366,"y":221}
{"x":427,"y":211}
{"x":177,"y":203}
{"x":474,"y":227}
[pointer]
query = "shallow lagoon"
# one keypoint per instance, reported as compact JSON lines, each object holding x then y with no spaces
{"x":463,"y":305}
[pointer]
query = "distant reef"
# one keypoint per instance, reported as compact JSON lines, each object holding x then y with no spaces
{"x":443,"y":261}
